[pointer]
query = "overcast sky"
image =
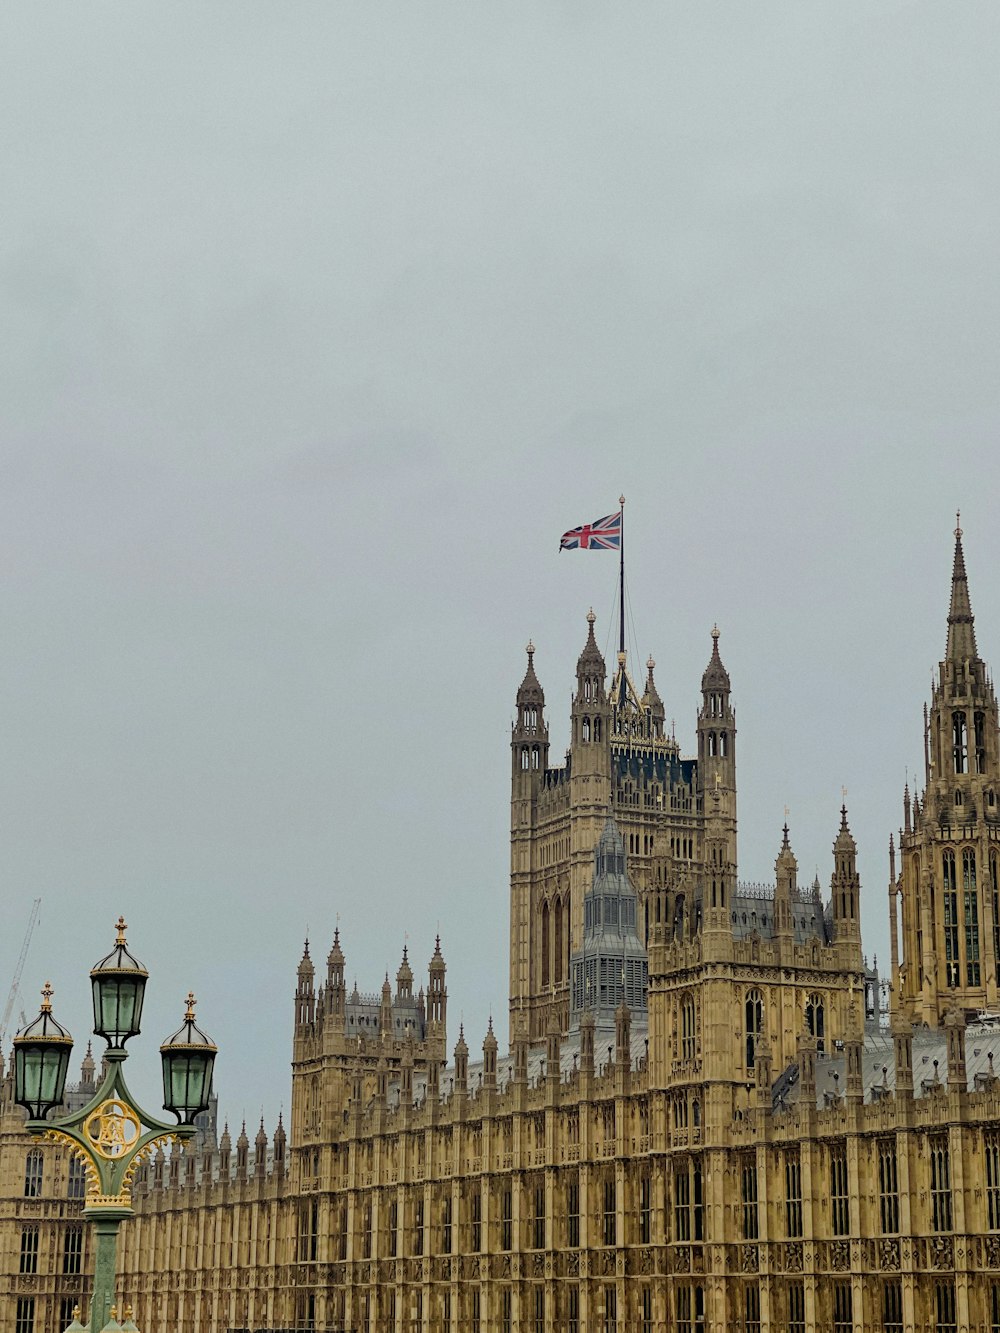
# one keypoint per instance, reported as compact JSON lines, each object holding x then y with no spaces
{"x":319,"y":323}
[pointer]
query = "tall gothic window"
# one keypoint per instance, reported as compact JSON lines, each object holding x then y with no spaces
{"x":748,"y":1193}
{"x":754,"y":1017}
{"x":72,"y":1250}
{"x":33,"y":1174}
{"x":793,"y":1195}
{"x":77,"y":1179}
{"x":751,"y":1308}
{"x":888,"y":1187}
{"x":545,"y":944}
{"x":944,"y":1306}
{"x":796,"y":1307}
{"x":892,"y":1305}
{"x":840,"y":1204}
{"x":992,"y":1153}
{"x":971,"y":905}
{"x":816,"y":1020}
{"x":29,"y":1249}
{"x":940,"y":1185}
{"x":843,"y":1308}
{"x":557,"y":912}
{"x":950,"y":918}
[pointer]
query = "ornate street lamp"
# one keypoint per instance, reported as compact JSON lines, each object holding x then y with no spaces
{"x":111,"y":1134}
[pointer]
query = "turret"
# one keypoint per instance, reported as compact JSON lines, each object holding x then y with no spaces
{"x":437,"y":998}
{"x":88,"y":1071}
{"x":385,"y":1010}
{"x":786,"y":873}
{"x":490,"y":1058}
{"x":242,"y":1153}
{"x":305,"y":998}
{"x":461,"y":1062}
{"x":716,"y":725}
{"x":260,"y":1151}
{"x":845,"y":885}
{"x":529,"y":743}
{"x":590,"y":714}
{"x":280,"y":1143}
{"x":225,"y":1152}
{"x":336,"y":991}
{"x":404,"y":979}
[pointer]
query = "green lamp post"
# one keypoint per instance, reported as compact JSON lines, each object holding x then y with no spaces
{"x":111,"y":1134}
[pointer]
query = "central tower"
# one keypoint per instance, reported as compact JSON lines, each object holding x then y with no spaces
{"x":623,"y":762}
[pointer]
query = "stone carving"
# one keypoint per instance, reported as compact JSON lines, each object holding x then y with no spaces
{"x":888,"y":1255}
{"x":941,"y":1252}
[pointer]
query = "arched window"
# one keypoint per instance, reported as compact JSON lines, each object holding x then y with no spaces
{"x":545,"y":944}
{"x":534,"y":757}
{"x":586,"y":729}
{"x":558,"y":914}
{"x":711,"y":744}
{"x":979,"y":724}
{"x":951,"y":964}
{"x":754,"y":1022}
{"x":679,"y":916}
{"x":816,"y":1020}
{"x":971,"y":911}
{"x":524,"y":758}
{"x":722,"y":744}
{"x":33,"y":1174}
{"x":688,"y":1028}
{"x":597,"y":728}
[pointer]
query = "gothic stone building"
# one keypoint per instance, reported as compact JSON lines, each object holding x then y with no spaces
{"x":702,"y":1121}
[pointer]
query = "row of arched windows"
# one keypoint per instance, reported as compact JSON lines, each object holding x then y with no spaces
{"x":753,"y":1023}
{"x":718,"y":744}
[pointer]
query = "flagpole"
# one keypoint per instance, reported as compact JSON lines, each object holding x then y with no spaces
{"x":621,"y":580}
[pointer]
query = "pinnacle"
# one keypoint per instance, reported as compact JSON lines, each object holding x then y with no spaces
{"x":716,"y":676}
{"x":961,"y":644}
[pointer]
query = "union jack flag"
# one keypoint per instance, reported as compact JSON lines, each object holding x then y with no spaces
{"x":604,"y":534}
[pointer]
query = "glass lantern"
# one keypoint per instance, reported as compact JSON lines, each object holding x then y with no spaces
{"x":119,"y":985}
{"x":41,"y":1059}
{"x":188,"y":1060}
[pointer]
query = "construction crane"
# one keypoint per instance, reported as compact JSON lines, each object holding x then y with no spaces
{"x":16,"y":983}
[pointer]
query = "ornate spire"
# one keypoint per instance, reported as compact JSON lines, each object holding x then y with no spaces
{"x":845,"y":839}
{"x":591,"y":656}
{"x":530,"y":690}
{"x":715,"y":677}
{"x":961,"y":626}
{"x":306,"y":968}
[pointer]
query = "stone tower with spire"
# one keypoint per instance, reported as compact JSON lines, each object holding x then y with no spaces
{"x":621,"y":761}
{"x":945,"y":926}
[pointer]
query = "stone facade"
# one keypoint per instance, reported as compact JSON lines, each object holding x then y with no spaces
{"x":752,"y":1146}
